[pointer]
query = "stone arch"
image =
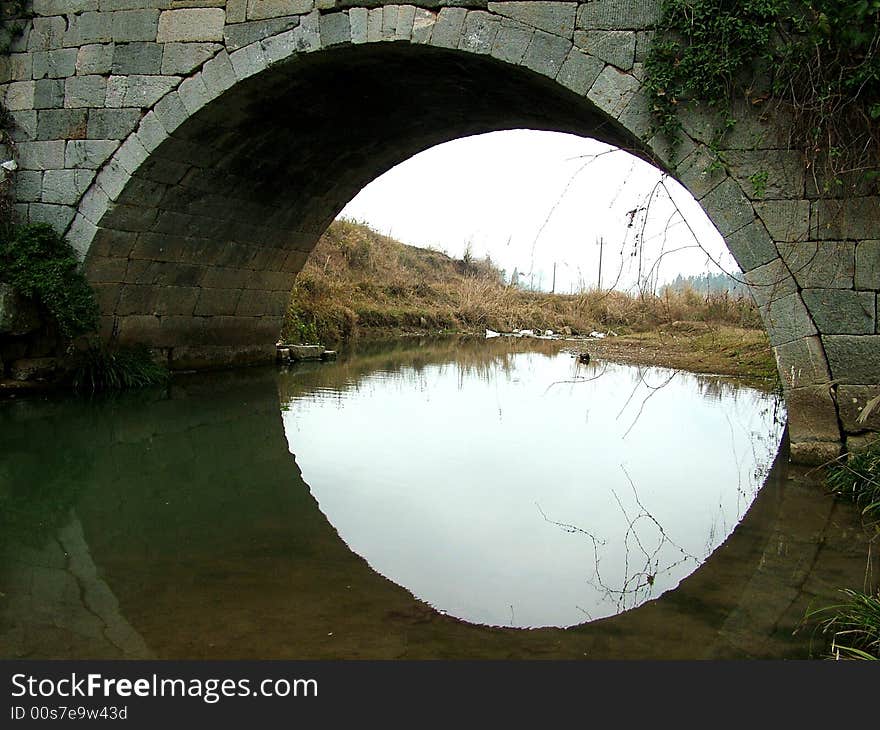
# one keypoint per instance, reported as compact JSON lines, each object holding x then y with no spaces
{"x":194,"y":227}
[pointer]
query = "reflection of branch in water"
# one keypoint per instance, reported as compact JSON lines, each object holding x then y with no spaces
{"x":636,"y":585}
{"x":578,"y":379}
{"x":652,"y":388}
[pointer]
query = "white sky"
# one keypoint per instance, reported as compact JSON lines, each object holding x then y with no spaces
{"x":529,"y":199}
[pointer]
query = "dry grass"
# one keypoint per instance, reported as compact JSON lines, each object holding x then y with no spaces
{"x":358,"y":279}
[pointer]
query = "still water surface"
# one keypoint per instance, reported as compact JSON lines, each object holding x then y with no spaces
{"x":451,"y":493}
{"x":523,"y":488}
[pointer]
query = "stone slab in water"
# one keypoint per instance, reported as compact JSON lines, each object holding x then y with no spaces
{"x":306,"y":352}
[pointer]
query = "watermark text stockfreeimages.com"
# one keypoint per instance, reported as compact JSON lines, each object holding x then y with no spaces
{"x":96,"y":685}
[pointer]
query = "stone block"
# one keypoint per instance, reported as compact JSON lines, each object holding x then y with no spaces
{"x":88,"y":153}
{"x":359,"y":18}
{"x":19,"y":95}
{"x":65,"y":187}
{"x":405,"y":19}
{"x":867,"y":265}
{"x":135,"y":25}
{"x":751,"y":246}
{"x":183,"y":58}
{"x":249,"y":60}
{"x":37,"y":368}
{"x":104,"y":270}
{"x":552,"y":17}
{"x":767,"y":176}
{"x":423,"y":25}
{"x":852,"y":400}
{"x":335,"y":29}
{"x":786,"y":319}
{"x":28,"y":185}
{"x":822,"y":264}
{"x":480,"y":31}
{"x":579,"y":71}
{"x":841,"y":311}
{"x":851,"y":218}
{"x":853,"y":359}
{"x":94,"y":59}
{"x":188,"y":357}
{"x":814,"y":453}
{"x":48,"y":94}
{"x":112,"y":123}
{"x":786,"y":220}
{"x":617,"y":47}
{"x":812,"y":414}
{"x":88,"y":28}
{"x":546,"y":53}
{"x":43,"y":155}
{"x":261,"y":9}
{"x":613,"y":90}
{"x":62,"y":124}
{"x":47,"y":33}
{"x":617,"y":14}
{"x":57,"y":216}
{"x":190,"y":25}
{"x":448,"y":28}
{"x":137,"y":58}
{"x":54,"y":64}
{"x":85,"y":91}
{"x":138,"y":90}
{"x":511,"y":42}
{"x":802,"y":362}
{"x":728,"y":207}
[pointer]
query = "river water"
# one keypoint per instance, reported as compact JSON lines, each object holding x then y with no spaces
{"x":424,"y":498}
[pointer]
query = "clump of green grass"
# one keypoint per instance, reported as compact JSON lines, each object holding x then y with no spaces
{"x":858,"y":479}
{"x":101,"y":369}
{"x":853,"y":626}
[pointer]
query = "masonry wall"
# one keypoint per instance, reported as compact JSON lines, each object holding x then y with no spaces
{"x":194,"y":150}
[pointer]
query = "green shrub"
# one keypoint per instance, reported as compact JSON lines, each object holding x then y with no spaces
{"x":101,"y":369}
{"x":41,"y":265}
{"x":858,"y":479}
{"x":852,"y":625}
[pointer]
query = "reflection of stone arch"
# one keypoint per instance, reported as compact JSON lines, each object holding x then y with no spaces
{"x":243,"y":131}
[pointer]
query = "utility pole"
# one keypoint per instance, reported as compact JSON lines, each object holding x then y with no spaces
{"x":601,"y":247}
{"x":553,"y":289}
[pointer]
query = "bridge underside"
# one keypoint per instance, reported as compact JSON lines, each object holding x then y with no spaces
{"x":199,"y":253}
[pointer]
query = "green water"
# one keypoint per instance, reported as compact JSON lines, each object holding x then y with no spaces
{"x":421,"y":499}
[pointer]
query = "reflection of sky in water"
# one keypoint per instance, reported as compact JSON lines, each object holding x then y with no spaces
{"x":493,"y":493}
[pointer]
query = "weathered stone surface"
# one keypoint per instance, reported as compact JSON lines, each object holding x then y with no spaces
{"x":752,"y":246}
{"x":54,"y":64}
{"x":243,"y":34}
{"x":867,"y":265}
{"x":546,"y":53}
{"x":112,"y":123}
{"x":261,"y":9}
{"x":617,"y":14}
{"x":18,"y":315}
{"x":802,"y":362}
{"x":37,"y":368}
{"x":815,"y":414}
{"x":335,"y":29}
{"x":728,"y":207}
{"x":94,"y":59}
{"x":62,"y":124}
{"x":511,"y":42}
{"x":191,"y":24}
{"x":854,"y":360}
{"x":448,"y":28}
{"x":841,"y":311}
{"x":852,"y":400}
{"x":822,"y":264}
{"x":613,"y":90}
{"x":137,"y":58}
{"x":861,"y":442}
{"x":89,"y":153}
{"x":579,"y":71}
{"x":852,"y":218}
{"x":617,"y":47}
{"x":786,"y":220}
{"x":815,"y":453}
{"x":187,"y":357}
{"x":552,"y":17}
{"x":480,"y":31}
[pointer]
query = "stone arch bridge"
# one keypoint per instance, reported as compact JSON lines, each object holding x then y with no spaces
{"x":193,"y":151}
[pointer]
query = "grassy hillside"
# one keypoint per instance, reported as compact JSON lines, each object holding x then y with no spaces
{"x":358,"y":280}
